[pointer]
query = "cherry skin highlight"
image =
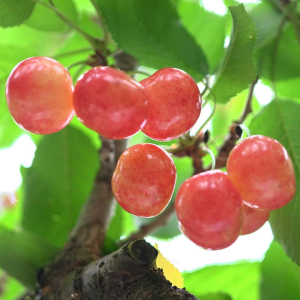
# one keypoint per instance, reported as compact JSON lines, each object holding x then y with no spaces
{"x":110,"y":102}
{"x":253,"y":219}
{"x":144,"y":180}
{"x":174,"y":104}
{"x":39,"y":94}
{"x":263,"y":173}
{"x":209,"y":210}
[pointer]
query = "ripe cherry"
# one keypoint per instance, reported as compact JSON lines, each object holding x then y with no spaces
{"x":39,"y":94}
{"x":209,"y":210}
{"x":262,"y":171}
{"x":174,"y":104}
{"x":144,"y":180}
{"x":253,"y":219}
{"x":110,"y":102}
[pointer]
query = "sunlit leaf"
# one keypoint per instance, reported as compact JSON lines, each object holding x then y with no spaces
{"x":170,"y":272}
{"x":208,"y":29}
{"x":280,"y":277}
{"x":11,"y":288}
{"x":240,"y":280}
{"x":237,"y":70}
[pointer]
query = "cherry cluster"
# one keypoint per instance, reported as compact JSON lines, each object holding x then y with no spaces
{"x":213,"y":207}
{"x":42,"y":100}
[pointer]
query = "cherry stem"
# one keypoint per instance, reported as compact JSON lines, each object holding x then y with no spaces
{"x":93,"y":41}
{"x":72,"y":52}
{"x":213,"y":111}
{"x":78,"y":73}
{"x":78,"y":63}
{"x":145,"y":230}
{"x":245,"y":129}
{"x":207,"y":85}
{"x":212,"y":155}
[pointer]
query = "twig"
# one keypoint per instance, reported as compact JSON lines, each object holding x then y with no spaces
{"x":102,"y":24}
{"x":93,"y":41}
{"x":289,"y":11}
{"x":274,"y":52}
{"x":233,"y":137}
{"x":3,"y":280}
{"x":248,"y":108}
{"x":227,"y":146}
{"x":78,"y":63}
{"x":145,"y":230}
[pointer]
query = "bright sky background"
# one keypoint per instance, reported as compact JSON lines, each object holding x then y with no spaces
{"x":180,"y":251}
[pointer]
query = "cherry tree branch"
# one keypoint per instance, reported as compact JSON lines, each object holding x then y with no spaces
{"x":233,"y":137}
{"x":288,"y":9}
{"x":90,"y":230}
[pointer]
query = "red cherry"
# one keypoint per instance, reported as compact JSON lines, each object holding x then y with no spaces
{"x":174,"y":104}
{"x":209,"y":210}
{"x":262,"y":171}
{"x":39,"y":94}
{"x":110,"y":102}
{"x":253,"y":219}
{"x":144,"y":180}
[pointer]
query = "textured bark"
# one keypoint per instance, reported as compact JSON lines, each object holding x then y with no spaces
{"x":127,"y":274}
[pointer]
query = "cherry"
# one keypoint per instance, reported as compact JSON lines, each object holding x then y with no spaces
{"x":262,"y":171}
{"x":110,"y":102}
{"x":39,"y":93}
{"x":144,"y":180}
{"x":209,"y":210}
{"x":174,"y":104}
{"x":253,"y":219}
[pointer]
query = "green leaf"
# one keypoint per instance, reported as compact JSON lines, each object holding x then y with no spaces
{"x":152,"y":32}
{"x":236,"y":71}
{"x":240,"y":281}
{"x":216,"y":296}
{"x":23,"y":253}
{"x":58,"y":183}
{"x":287,"y":57}
{"x":281,"y":120}
{"x":286,"y":89}
{"x":45,"y":19}
{"x":208,"y":29}
{"x":12,"y":288}
{"x":226,"y":114}
{"x":280,"y":277}
{"x":266,"y":31}
{"x":15,"y":12}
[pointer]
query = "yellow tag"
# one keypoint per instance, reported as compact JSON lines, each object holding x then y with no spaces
{"x":170,"y":272}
